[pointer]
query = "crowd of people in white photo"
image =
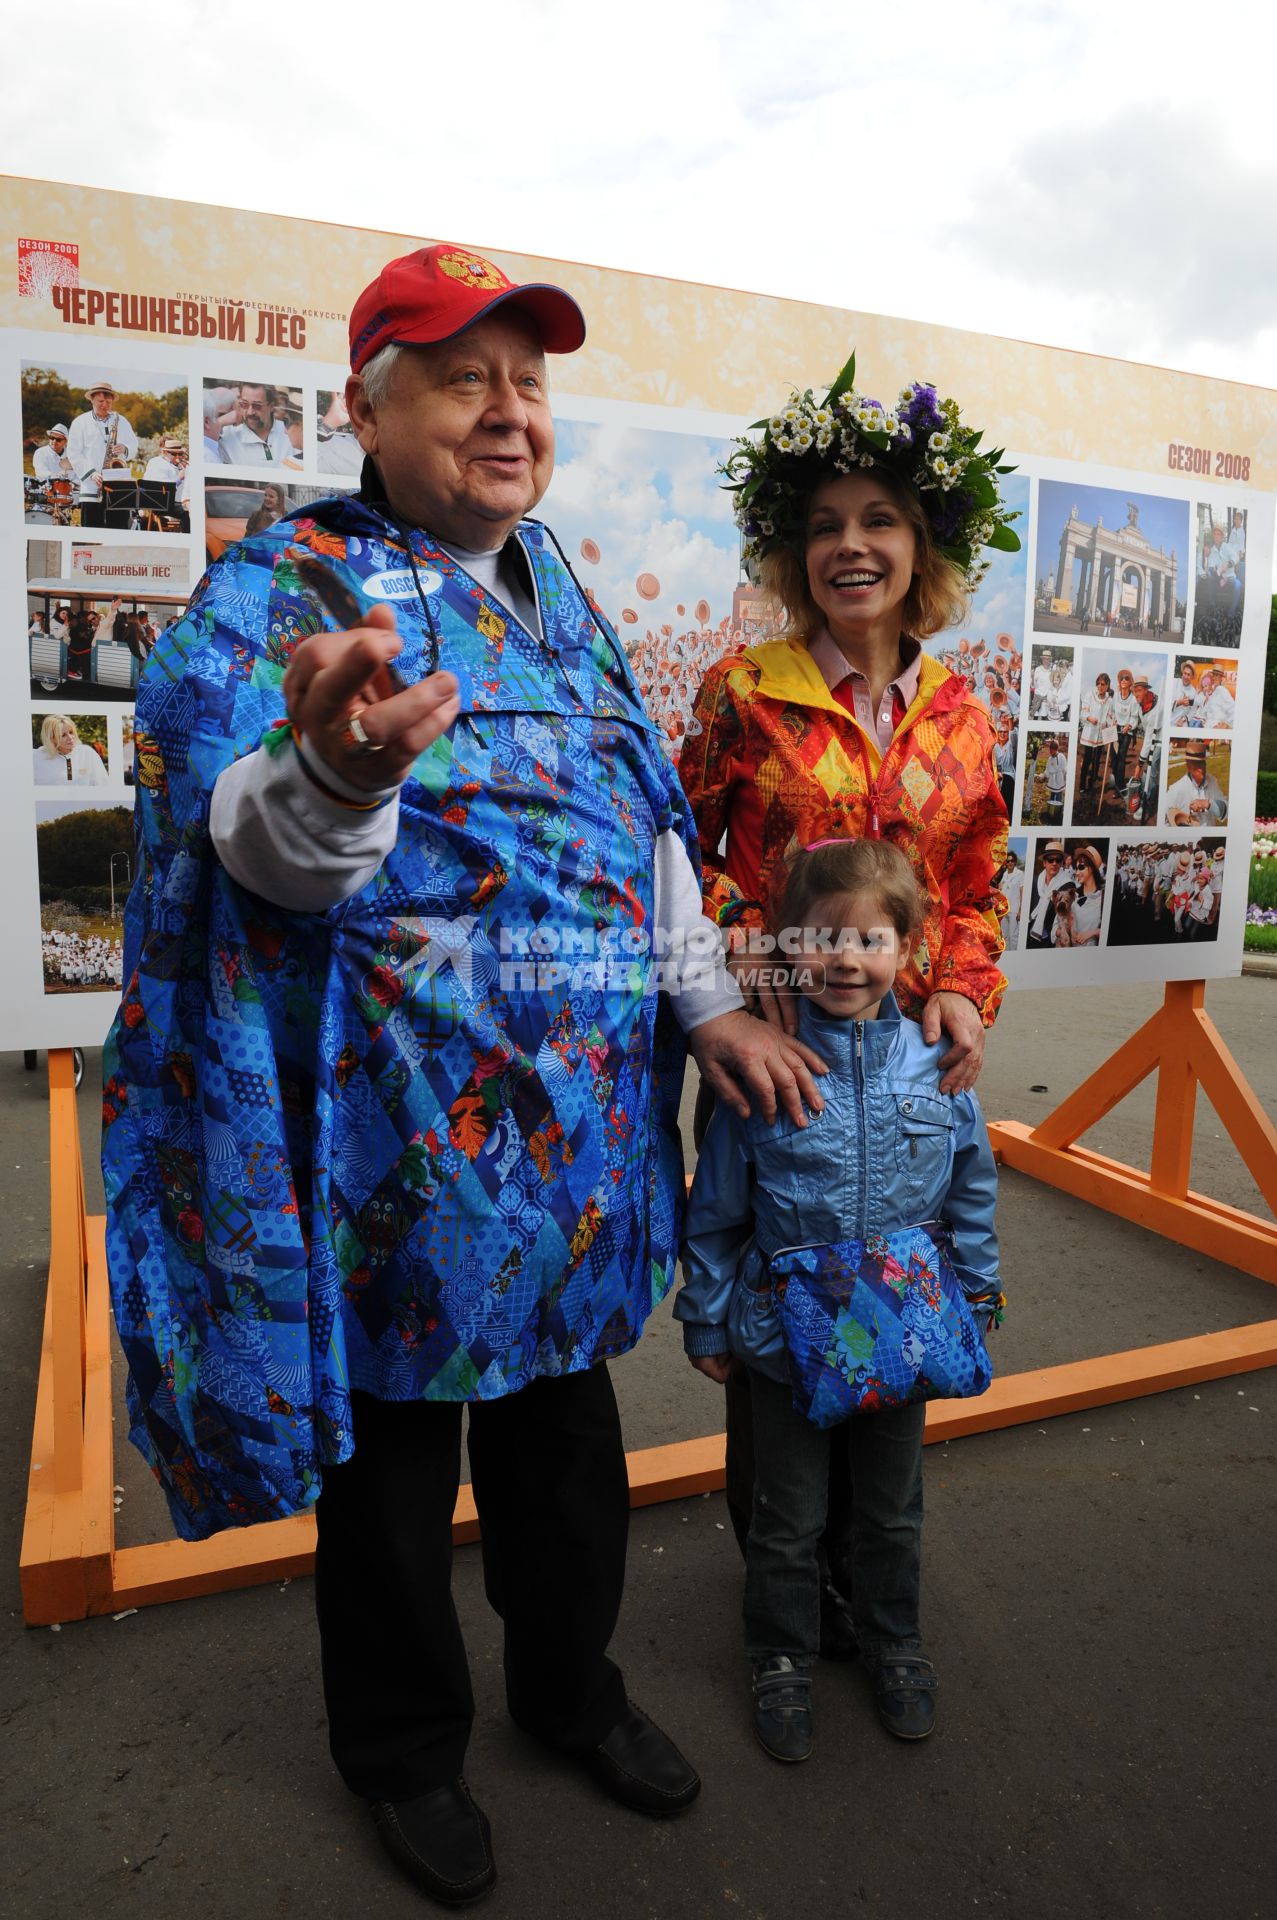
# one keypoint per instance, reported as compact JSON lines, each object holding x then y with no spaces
{"x":77,"y":960}
{"x":1167,"y":891}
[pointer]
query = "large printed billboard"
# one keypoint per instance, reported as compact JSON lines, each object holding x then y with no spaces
{"x":1120,"y":651}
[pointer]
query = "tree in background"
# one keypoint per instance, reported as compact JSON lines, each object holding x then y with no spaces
{"x":76,"y":850}
{"x":1268,"y":720}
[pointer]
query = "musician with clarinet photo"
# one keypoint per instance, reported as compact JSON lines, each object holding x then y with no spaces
{"x":98,"y":439}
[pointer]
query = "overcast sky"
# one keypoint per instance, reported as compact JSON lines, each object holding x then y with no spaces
{"x":1093,"y":176}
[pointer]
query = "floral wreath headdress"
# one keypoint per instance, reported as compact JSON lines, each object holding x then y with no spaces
{"x":921,"y":440}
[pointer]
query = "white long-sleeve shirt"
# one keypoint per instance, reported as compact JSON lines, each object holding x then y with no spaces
{"x":1207,"y":802}
{"x":87,"y":444}
{"x":47,"y":464}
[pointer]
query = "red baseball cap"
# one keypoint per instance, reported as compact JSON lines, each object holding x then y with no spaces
{"x":439,"y":291}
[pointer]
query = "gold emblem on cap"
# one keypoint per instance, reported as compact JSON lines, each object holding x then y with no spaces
{"x":472,"y":268}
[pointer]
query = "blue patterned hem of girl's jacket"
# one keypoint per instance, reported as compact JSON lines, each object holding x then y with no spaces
{"x":888,"y":1152}
{"x":340,"y":1156}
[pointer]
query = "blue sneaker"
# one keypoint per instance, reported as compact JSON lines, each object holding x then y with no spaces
{"x":903,"y":1683}
{"x":782,"y":1708}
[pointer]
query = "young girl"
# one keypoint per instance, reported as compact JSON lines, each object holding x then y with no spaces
{"x":888,"y":1152}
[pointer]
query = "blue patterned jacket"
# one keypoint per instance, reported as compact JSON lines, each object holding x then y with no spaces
{"x":889,"y":1150}
{"x":337,"y":1155}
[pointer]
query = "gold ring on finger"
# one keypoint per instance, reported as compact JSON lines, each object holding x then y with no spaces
{"x":356,"y":738}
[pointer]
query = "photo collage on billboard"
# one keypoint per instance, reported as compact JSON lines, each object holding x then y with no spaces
{"x":1086,"y":704}
{"x":1136,"y":614}
{"x":106,"y":519}
{"x":1107,"y":650}
{"x":123,"y":501}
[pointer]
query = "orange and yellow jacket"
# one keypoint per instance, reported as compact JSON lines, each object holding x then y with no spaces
{"x":775,"y":762}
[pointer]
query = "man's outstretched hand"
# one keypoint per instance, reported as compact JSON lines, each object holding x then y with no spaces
{"x":748,"y":1062}
{"x":331,"y":676}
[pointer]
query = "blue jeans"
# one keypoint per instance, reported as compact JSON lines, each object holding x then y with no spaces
{"x":791,"y":1486}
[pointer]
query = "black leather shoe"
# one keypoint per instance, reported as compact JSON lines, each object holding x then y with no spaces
{"x":441,"y":1841}
{"x":642,"y":1768}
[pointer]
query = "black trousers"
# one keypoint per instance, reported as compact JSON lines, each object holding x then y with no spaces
{"x":835,"y":1549}
{"x":548,"y":1471}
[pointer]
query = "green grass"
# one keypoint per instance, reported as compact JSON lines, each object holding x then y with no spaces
{"x":1260,"y":940}
{"x":1263,"y":883}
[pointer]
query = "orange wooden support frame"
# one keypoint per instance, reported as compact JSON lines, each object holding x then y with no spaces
{"x":1182,"y":1044}
{"x":71,"y":1567}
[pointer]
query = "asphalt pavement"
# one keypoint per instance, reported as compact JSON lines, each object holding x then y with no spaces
{"x":1097,"y":1599}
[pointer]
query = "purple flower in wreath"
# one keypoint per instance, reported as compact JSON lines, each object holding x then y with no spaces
{"x":949,"y":515}
{"x":923,"y":411}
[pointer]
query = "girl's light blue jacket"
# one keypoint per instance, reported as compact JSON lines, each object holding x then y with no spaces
{"x":889,"y":1150}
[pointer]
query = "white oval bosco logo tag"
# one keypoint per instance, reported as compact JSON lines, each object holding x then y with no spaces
{"x":401,"y":586}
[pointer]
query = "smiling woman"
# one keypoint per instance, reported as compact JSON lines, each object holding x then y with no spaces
{"x":866,"y":525}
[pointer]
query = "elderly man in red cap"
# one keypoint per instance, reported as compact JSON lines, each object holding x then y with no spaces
{"x":392,"y":1096}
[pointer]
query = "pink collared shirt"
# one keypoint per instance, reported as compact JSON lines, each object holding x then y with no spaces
{"x":897,"y":698}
